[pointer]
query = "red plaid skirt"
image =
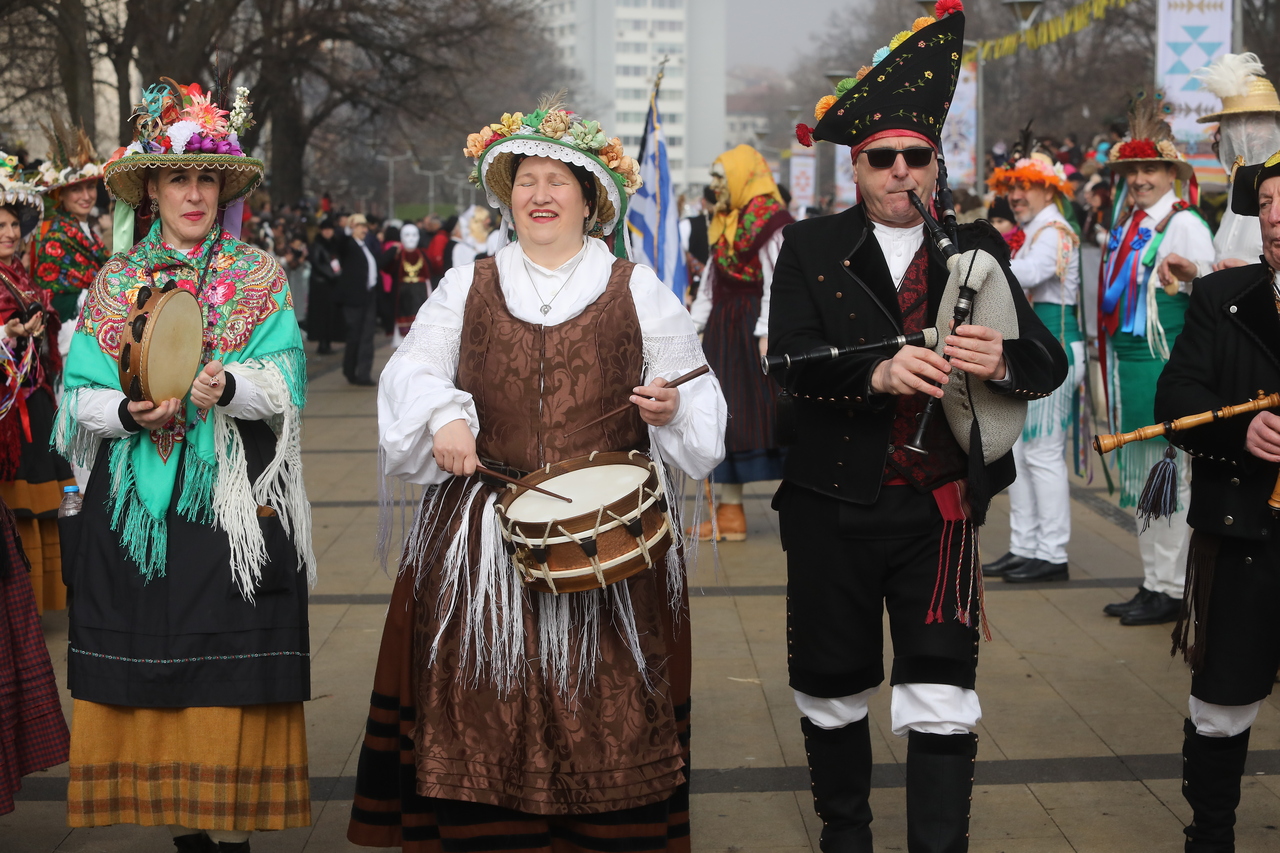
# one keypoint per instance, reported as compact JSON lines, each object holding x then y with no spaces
{"x":33,"y":732}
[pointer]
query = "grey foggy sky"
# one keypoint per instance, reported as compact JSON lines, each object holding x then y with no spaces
{"x":774,"y":32}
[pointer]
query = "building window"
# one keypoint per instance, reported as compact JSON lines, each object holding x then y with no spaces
{"x":669,"y":26}
{"x":632,"y":94}
{"x":632,"y":47}
{"x":668,"y":4}
{"x":670,"y":94}
{"x":632,"y":117}
{"x":633,"y":70}
{"x":672,"y":118}
{"x":634,"y":24}
{"x":668,"y":47}
{"x":675,"y":141}
{"x":675,"y":164}
{"x":634,"y":4}
{"x":632,"y":141}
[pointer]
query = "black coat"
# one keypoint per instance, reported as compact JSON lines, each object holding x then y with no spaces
{"x":832,"y":287}
{"x":353,"y":283}
{"x":1228,"y":350}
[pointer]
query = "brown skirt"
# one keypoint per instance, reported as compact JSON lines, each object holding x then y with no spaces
{"x":528,"y":771}
{"x":36,"y":505}
{"x":221,"y":768}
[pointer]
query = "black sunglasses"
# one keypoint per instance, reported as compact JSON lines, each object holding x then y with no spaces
{"x":884,"y":158}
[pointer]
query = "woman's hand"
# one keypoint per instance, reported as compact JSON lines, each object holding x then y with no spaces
{"x":658,"y":404}
{"x":207,"y":388}
{"x":150,"y":416}
{"x":454,"y":448}
{"x":15,"y":328}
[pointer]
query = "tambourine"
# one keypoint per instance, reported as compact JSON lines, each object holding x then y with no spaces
{"x":161,"y":344}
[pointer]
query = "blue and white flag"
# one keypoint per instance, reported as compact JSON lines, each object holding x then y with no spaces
{"x":653,"y":222}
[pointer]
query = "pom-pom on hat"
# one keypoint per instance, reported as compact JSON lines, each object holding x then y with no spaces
{"x":181,"y":127}
{"x":556,"y":132}
{"x":1247,"y":180}
{"x":16,"y":190}
{"x":1150,"y":138}
{"x":908,"y":85}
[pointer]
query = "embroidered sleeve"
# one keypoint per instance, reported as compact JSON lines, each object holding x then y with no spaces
{"x":673,"y":353}
{"x":437,"y":346}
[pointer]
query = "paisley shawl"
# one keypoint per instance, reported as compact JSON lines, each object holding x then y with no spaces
{"x":251,"y":328}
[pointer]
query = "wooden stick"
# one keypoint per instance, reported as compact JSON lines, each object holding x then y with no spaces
{"x":679,"y":380}
{"x":480,"y":469}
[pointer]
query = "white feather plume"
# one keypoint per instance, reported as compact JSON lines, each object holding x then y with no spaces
{"x":1230,"y":75}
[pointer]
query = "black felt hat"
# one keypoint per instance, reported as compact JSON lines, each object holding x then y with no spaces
{"x":908,"y":88}
{"x":1247,"y":180}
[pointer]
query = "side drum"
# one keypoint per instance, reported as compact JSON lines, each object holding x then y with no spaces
{"x":161,"y":344}
{"x":617,"y":526}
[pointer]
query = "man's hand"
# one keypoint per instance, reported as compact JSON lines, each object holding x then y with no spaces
{"x":663,"y":406}
{"x":207,"y":388}
{"x":978,"y":351}
{"x":1263,"y":438}
{"x":910,"y":370}
{"x":150,"y":416}
{"x":763,"y":341}
{"x":1228,"y":263}
{"x":1174,"y":269}
{"x":454,"y":448}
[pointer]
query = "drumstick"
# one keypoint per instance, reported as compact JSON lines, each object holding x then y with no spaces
{"x":480,"y":469}
{"x":679,"y":380}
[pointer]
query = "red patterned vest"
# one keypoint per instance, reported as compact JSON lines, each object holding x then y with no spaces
{"x":946,"y":461}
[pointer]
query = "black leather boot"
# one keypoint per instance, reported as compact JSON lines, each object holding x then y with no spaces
{"x":939,"y":791}
{"x":196,"y":842}
{"x":840,"y":773}
{"x":1211,"y":771}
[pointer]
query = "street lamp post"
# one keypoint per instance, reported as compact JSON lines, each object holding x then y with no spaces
{"x":431,"y":185}
{"x":391,"y":179}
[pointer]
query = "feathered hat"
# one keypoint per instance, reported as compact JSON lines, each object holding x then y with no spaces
{"x":908,"y":85}
{"x":1239,"y":80}
{"x":1244,"y":199}
{"x":556,"y":132}
{"x":16,"y":190}
{"x":72,"y":158}
{"x":1029,"y":163}
{"x":1150,"y":138}
{"x":180,"y":127}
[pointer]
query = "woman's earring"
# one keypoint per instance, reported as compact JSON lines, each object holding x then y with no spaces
{"x":155,"y":207}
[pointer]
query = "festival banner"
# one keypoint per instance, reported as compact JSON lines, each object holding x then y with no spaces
{"x":1190,"y":35}
{"x":846,"y":185}
{"x":804,"y":177}
{"x":960,"y":133}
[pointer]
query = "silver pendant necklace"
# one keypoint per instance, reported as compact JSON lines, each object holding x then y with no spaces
{"x":546,"y":303}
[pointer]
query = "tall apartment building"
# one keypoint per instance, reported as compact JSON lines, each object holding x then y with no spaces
{"x":614,"y":48}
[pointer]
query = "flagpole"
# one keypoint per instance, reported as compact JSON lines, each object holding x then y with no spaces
{"x":653,"y":105}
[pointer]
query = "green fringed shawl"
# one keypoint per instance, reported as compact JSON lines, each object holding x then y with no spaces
{"x":249,"y":319}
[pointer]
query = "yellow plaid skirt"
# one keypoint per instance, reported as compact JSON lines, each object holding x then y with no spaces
{"x":242,"y":768}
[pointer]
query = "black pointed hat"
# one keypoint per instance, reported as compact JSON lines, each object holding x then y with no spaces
{"x":908,"y":87}
{"x":1247,"y":180}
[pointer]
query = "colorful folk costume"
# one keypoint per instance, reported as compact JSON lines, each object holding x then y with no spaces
{"x":410,"y":278}
{"x":33,"y":732}
{"x":504,"y":718}
{"x":1228,"y":631}
{"x":67,"y":253}
{"x":1138,"y":322}
{"x":733,"y":307}
{"x":1046,"y":263}
{"x":32,"y":476}
{"x":188,"y":653}
{"x":1248,"y":131}
{"x":868,"y":525}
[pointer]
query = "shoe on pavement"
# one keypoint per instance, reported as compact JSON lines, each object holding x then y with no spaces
{"x":1120,"y":608}
{"x":196,"y":842}
{"x":1007,"y":563}
{"x":731,"y":524}
{"x":1038,"y":571}
{"x":1158,"y":609}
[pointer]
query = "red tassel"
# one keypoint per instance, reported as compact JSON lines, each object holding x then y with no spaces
{"x":804,"y":135}
{"x":946,"y":7}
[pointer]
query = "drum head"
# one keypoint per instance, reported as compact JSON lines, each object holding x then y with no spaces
{"x":589,"y":488}
{"x":172,"y":348}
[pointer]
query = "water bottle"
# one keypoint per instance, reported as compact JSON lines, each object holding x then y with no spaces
{"x":72,"y":501}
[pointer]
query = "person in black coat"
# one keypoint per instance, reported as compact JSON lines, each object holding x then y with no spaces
{"x":1228,"y":350}
{"x":866,"y":524}
{"x":358,"y":289}
{"x":324,"y":313}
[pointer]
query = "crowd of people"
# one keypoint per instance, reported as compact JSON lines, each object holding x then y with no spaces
{"x":532,"y":689}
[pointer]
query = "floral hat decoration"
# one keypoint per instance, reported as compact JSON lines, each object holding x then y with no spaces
{"x":1150,"y":138}
{"x":72,"y":159}
{"x":182,"y":126}
{"x":555,"y":132}
{"x":1029,"y":163}
{"x":16,"y":190}
{"x":907,"y":86}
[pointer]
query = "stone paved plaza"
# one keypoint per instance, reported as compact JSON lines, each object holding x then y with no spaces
{"x":1080,"y":740}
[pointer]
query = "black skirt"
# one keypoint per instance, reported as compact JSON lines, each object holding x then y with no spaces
{"x":189,"y":638}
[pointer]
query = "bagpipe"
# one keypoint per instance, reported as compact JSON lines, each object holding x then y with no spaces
{"x":977,"y":292}
{"x":1159,"y":496}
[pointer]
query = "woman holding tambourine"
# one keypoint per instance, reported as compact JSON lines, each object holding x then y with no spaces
{"x":188,"y":657}
{"x":31,"y":476}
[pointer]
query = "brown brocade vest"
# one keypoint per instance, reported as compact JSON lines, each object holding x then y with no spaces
{"x":946,"y":461}
{"x":532,"y":384}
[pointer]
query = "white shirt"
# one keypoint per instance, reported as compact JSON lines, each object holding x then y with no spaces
{"x":372,"y":277}
{"x":701,"y":308}
{"x":1036,"y":265}
{"x":417,"y":395}
{"x":1186,"y":235}
{"x":899,"y":246}
{"x":98,"y":409}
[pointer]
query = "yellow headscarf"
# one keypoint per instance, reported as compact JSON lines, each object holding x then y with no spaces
{"x":748,"y":176}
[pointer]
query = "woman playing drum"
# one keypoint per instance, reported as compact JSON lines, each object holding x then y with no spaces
{"x":188,"y":657}
{"x":534,"y":715}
